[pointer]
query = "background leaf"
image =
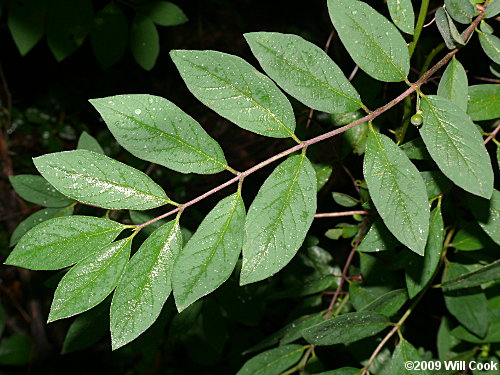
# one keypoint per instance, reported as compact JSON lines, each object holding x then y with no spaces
{"x":398,"y":191}
{"x":26,"y":23}
{"x":346,"y":328}
{"x":90,"y":281}
{"x":62,"y":241}
{"x":144,"y":42}
{"x":373,"y":42}
{"x":454,"y":85}
{"x":278,"y":219}
{"x":491,"y":46}
{"x":378,"y":238}
{"x":89,"y":143}
{"x":456,"y":146}
{"x":237,"y":91}
{"x":403,"y":353}
{"x":95,"y":179}
{"x":36,"y":189}
{"x":490,"y":272}
{"x":419,"y":271}
{"x":484,"y":102}
{"x":211,"y":254}
{"x":487,"y":214}
{"x":156,"y":130}
{"x":145,"y":285}
{"x":273,"y":362}
{"x":460,"y":10}
{"x":164,"y":13}
{"x":402,"y":14}
{"x":304,"y":71}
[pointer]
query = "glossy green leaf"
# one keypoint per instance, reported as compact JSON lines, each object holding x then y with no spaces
{"x":156,"y":130}
{"x":454,"y":85}
{"x":487,"y":214}
{"x":493,"y":9}
{"x":492,"y":336}
{"x":491,"y":46}
{"x":293,"y":331}
{"x":415,"y":149}
{"x":404,"y":353}
{"x":304,"y":71}
{"x":389,"y":303}
{"x":398,"y":191}
{"x":468,"y":306}
{"x":109,"y":37}
{"x":26,"y":23}
{"x":211,"y":254}
{"x":68,"y":24}
{"x":490,"y":272}
{"x":89,"y":143}
{"x":164,"y":13}
{"x":323,"y":174}
{"x":447,"y":29}
{"x":145,"y":285}
{"x":278,"y":219}
{"x":62,"y":241}
{"x":419,"y":271}
{"x":91,"y":280}
{"x":373,"y":42}
{"x":235,"y":90}
{"x":471,"y":237}
{"x":35,"y":219}
{"x":346,"y":328}
{"x":435,"y":183}
{"x":87,"y":329}
{"x":144,"y":42}
{"x":36,"y":189}
{"x":378,"y":238}
{"x":344,"y":200}
{"x":460,"y":10}
{"x":456,"y":146}
{"x":402,"y":14}
{"x":98,"y":180}
{"x":273,"y":362}
{"x":484,"y":102}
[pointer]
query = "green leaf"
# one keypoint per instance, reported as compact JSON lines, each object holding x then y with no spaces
{"x":138,"y":217}
{"x":484,"y":102}
{"x":323,"y":174}
{"x":419,"y":271}
{"x":68,"y":24}
{"x":493,"y":9}
{"x":90,"y":281}
{"x":456,"y":146}
{"x":278,"y":219}
{"x":453,"y":84}
{"x":445,"y":341}
{"x":460,"y":10}
{"x":235,"y":90}
{"x":304,"y":71}
{"x":272,"y":362}
{"x":164,"y":13}
{"x":435,"y":183}
{"x":415,"y":149}
{"x":389,"y":303}
{"x":344,"y":200}
{"x":491,"y":46}
{"x":36,"y":218}
{"x":26,"y":23}
{"x":156,"y":130}
{"x":307,"y":287}
{"x":211,"y":254}
{"x":87,"y":329}
{"x":402,"y":15}
{"x":109,"y":37}
{"x":447,"y":29}
{"x":145,"y":285}
{"x":293,"y":331}
{"x":469,"y":306}
{"x":374,"y":44}
{"x":404,"y":352}
{"x":471,"y":237}
{"x":60,"y":242}
{"x":342,"y":371}
{"x":144,"y":42}
{"x":490,"y":272}
{"x":492,"y":336}
{"x":36,"y":189}
{"x":487,"y":214}
{"x":89,"y":143}
{"x":378,"y":238}
{"x":95,"y":179}
{"x":398,"y":191}
{"x":16,"y":350}
{"x":346,"y":328}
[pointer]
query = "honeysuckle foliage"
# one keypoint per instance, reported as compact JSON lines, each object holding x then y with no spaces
{"x":408,"y":190}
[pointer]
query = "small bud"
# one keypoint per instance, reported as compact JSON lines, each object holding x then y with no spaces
{"x":416,"y":119}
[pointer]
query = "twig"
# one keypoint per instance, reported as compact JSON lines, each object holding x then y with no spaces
{"x":493,"y":134}
{"x":339,"y":214}
{"x":486,"y":79}
{"x":353,"y":73}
